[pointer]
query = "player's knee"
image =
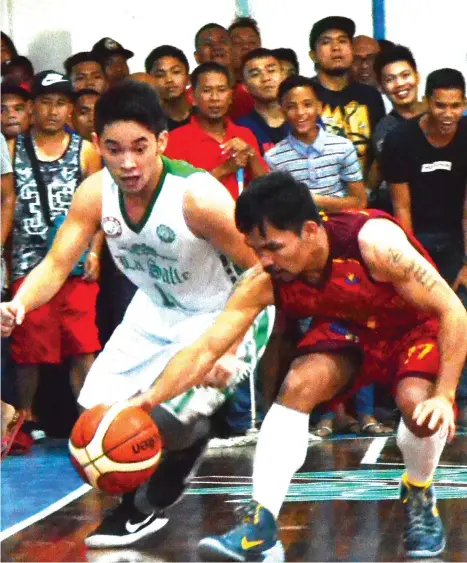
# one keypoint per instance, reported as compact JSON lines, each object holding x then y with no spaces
{"x":178,"y":435}
{"x":301,"y":389}
{"x":410,"y":393}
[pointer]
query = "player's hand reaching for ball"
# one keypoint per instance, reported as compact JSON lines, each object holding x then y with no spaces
{"x":11,"y":315}
{"x":436,"y":412}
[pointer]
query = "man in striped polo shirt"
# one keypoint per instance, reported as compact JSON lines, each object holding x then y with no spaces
{"x":327,"y":163}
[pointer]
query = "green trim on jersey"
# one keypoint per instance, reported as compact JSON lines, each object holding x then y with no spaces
{"x":180,"y":167}
{"x":139,"y":226}
{"x":176,"y":168}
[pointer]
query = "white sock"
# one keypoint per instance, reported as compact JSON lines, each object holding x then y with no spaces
{"x":421,"y":455}
{"x":280,"y":452}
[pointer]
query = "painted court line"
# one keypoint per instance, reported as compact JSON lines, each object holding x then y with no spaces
{"x":373,"y":452}
{"x":45,"y":512}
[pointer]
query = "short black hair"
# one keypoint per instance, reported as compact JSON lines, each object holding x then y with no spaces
{"x":21,"y":62}
{"x":245,"y":21}
{"x":207,"y":26}
{"x":285,"y":54}
{"x":9,"y":43}
{"x":294,"y":81}
{"x":205,"y":68}
{"x":82,"y":57}
{"x":279,"y":199}
{"x":258,"y":53}
{"x":445,"y":78}
{"x":393,"y":55}
{"x":385,"y":44}
{"x":165,"y":51}
{"x":130,"y":101}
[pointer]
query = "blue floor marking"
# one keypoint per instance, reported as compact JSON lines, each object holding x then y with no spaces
{"x":32,"y":482}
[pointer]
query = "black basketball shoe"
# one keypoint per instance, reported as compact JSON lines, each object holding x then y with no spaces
{"x":125,"y":525}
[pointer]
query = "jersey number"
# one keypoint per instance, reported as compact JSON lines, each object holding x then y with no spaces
{"x":425,"y":349}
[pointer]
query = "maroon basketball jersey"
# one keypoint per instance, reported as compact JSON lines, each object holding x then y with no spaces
{"x":347,"y":290}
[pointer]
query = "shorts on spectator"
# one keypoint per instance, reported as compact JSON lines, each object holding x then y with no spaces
{"x":66,"y":326}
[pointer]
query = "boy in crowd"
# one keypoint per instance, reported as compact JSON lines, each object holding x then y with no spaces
{"x":396,"y":72}
{"x":86,"y":71}
{"x":262,"y":74}
{"x":327,"y":163}
{"x":169,"y":66}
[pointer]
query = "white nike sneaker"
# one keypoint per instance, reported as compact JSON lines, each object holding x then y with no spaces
{"x":125,"y":525}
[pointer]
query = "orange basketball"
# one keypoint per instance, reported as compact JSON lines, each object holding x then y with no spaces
{"x":115,"y":448}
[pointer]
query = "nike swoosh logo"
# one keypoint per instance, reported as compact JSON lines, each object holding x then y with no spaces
{"x":52,"y":79}
{"x":246,"y":544}
{"x":131,"y":528}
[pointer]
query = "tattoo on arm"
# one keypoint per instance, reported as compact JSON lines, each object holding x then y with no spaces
{"x":411,"y":269}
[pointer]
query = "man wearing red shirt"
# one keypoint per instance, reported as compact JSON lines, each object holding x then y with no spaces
{"x":211,"y":140}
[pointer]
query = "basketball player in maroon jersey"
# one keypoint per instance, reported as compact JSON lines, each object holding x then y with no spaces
{"x":382,"y":313}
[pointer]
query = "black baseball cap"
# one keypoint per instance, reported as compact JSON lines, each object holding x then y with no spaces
{"x":10,"y":86}
{"x":107,"y":47}
{"x":81,"y":57}
{"x":51,"y":82}
{"x":331,"y":22}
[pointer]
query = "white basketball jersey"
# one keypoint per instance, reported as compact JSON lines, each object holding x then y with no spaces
{"x":160,"y":255}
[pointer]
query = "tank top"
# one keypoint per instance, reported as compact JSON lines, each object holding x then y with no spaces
{"x":160,"y":255}
{"x":61,"y":178}
{"x":347,"y":290}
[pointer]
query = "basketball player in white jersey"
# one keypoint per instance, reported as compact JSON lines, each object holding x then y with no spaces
{"x":170,"y":229}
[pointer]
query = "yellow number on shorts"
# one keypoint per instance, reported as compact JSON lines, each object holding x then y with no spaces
{"x":425,"y":350}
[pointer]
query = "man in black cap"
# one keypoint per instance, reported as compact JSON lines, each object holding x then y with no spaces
{"x":49,"y":164}
{"x":16,"y":108}
{"x":114,"y":59}
{"x":86,"y":71}
{"x":349,"y":109}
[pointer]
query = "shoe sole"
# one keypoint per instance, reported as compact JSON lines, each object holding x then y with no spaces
{"x":210,"y":549}
{"x":421,"y":553}
{"x":102,"y":541}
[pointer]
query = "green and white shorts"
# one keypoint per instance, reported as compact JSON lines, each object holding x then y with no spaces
{"x":144,"y":343}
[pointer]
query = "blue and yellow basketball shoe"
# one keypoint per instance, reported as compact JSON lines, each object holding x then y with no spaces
{"x":254,"y":539}
{"x":423,"y":529}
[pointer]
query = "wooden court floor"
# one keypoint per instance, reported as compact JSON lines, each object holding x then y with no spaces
{"x":341,"y":506}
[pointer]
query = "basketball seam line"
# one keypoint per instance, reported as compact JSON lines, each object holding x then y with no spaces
{"x":104,"y":453}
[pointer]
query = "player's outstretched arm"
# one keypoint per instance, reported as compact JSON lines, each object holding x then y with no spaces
{"x":192,"y":365}
{"x":70,"y":242}
{"x":392,"y":258}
